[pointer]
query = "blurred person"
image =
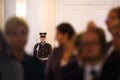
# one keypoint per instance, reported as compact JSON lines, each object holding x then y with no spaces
{"x":10,"y":68}
{"x":16,"y":30}
{"x":43,"y":49}
{"x":112,"y":19}
{"x":112,"y":49}
{"x":93,"y":43}
{"x":102,"y":68}
{"x":62,"y":64}
{"x":111,"y":68}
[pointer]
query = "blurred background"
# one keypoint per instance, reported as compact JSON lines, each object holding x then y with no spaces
{"x":44,"y":15}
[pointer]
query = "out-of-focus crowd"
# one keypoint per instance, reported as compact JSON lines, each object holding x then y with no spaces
{"x":84,"y":56}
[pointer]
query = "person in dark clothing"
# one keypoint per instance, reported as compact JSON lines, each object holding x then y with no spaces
{"x":10,"y":69}
{"x":112,"y":19}
{"x":42,"y":50}
{"x":93,"y":43}
{"x":62,"y":63}
{"x":33,"y":68}
{"x":111,"y":68}
{"x":16,"y":31}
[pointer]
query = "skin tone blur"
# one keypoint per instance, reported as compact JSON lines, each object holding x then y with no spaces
{"x":91,"y":47}
{"x":17,"y":41}
{"x":43,"y":39}
{"x":111,"y":20}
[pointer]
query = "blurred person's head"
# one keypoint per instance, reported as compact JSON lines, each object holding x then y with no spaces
{"x":93,"y":43}
{"x":113,"y":18}
{"x":65,"y":32}
{"x":116,"y":37}
{"x":16,"y":30}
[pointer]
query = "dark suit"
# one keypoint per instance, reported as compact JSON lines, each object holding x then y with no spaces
{"x":43,"y":51}
{"x":55,"y":72}
{"x":110,"y":69}
{"x":33,"y":68}
{"x":71,"y":71}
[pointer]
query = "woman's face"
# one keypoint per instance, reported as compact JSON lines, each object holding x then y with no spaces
{"x":112,"y":20}
{"x":61,"y":38}
{"x":18,"y":38}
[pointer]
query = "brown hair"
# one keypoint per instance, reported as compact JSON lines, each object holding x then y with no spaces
{"x":13,"y":22}
{"x":117,"y":11}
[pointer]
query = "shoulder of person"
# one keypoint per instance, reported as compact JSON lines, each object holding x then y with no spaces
{"x":55,"y":53}
{"x":48,"y":44}
{"x":57,"y":50}
{"x":116,"y":55}
{"x":13,"y":67}
{"x":37,"y":44}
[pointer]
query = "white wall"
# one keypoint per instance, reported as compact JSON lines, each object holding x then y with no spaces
{"x":9,"y":8}
{"x":118,"y":1}
{"x":1,"y":13}
{"x":79,"y":12}
{"x":14,"y":8}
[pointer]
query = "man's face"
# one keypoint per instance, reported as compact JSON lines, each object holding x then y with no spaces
{"x":112,"y":20}
{"x":42,"y":39}
{"x":18,"y":38}
{"x":91,"y":46}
